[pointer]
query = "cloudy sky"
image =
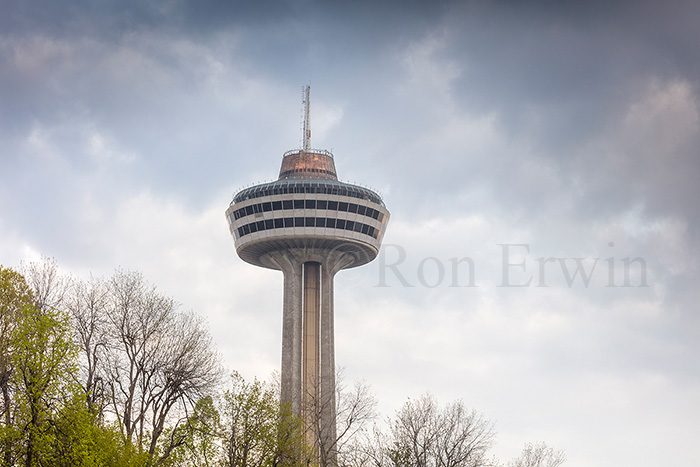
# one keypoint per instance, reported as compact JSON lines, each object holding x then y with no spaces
{"x":530,"y":139}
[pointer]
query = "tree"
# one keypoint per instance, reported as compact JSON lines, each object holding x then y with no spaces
{"x":355,"y":408}
{"x":257,"y":430}
{"x":42,"y":370}
{"x":160,"y":362}
{"x":202,"y":443}
{"x":15,"y":296}
{"x":48,"y":287}
{"x":538,"y":455}
{"x":87,"y":303}
{"x":246,"y":427}
{"x":423,"y":435}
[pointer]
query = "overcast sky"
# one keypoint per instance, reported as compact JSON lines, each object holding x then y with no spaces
{"x":502,"y":132}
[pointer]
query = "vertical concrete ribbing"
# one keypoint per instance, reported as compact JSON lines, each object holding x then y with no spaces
{"x":308,"y":347}
{"x":311,"y":348}
{"x":291,"y":330}
{"x":328,"y":413}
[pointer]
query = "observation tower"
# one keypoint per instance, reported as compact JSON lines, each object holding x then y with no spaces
{"x":308,"y":225}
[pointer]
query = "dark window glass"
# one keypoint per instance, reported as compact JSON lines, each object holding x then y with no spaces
{"x":288,"y":222}
{"x":261,"y":225}
{"x":349,"y":225}
{"x":342,"y":206}
{"x":375,"y":214}
{"x":287,"y":204}
{"x":241,"y":232}
{"x":365,"y":228}
{"x":267,"y":206}
{"x":246,"y":229}
{"x":333,"y":205}
{"x":298,"y":204}
{"x":330,"y":223}
{"x":352,"y":207}
{"x":276,"y":205}
{"x":269,"y":224}
{"x":340,"y":224}
{"x":321,"y":204}
{"x":310,"y":204}
{"x":361,"y":210}
{"x":309,"y":222}
{"x":257,"y":208}
{"x":248,"y":210}
{"x":279,"y":223}
{"x":253,"y":227}
{"x":320,"y":222}
{"x":358,"y":227}
{"x":298,"y":222}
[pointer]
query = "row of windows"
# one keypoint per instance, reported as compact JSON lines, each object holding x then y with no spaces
{"x":305,"y":170}
{"x":281,"y":223}
{"x":308,"y":204}
{"x":326,"y":187}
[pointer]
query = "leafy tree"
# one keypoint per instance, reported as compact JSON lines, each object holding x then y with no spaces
{"x":257,"y":430}
{"x":43,"y":360}
{"x":202,"y":441}
{"x":15,"y":296}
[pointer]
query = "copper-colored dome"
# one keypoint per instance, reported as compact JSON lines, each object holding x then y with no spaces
{"x":308,"y":164}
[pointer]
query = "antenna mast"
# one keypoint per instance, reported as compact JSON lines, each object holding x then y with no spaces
{"x":307,"y":124}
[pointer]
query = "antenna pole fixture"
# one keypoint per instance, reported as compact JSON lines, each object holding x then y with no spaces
{"x":307,"y":124}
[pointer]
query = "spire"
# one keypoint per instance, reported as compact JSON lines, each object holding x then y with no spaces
{"x":307,"y":163}
{"x":307,"y":124}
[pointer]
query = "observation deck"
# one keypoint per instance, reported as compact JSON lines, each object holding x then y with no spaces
{"x":307,"y":210}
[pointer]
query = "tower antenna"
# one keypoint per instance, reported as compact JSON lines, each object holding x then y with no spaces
{"x":307,"y":124}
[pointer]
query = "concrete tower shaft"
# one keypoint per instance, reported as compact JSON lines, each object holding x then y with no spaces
{"x":310,"y":226}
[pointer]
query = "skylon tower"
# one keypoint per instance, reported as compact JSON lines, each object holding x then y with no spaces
{"x":308,"y":225}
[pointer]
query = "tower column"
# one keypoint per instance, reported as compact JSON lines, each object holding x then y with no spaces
{"x":327,"y":428}
{"x":292,"y":320}
{"x":312,"y":396}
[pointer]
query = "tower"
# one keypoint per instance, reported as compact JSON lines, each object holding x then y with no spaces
{"x":308,"y":225}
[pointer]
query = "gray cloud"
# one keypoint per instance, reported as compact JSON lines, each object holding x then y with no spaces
{"x":125,"y":128}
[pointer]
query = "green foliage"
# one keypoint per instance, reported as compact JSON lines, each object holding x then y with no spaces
{"x":246,"y":427}
{"x":259,"y":432}
{"x":45,"y":418}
